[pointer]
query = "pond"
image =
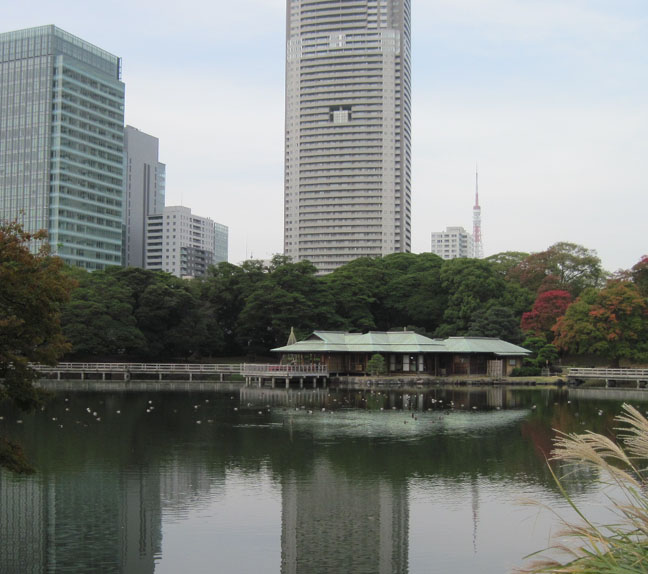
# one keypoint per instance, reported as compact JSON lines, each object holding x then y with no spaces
{"x":305,"y":482}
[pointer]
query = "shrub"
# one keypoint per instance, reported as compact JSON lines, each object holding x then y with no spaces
{"x":526,"y":371}
{"x":622,"y":547}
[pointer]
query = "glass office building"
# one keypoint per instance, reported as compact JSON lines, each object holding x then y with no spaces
{"x":61,"y":143}
{"x":348,"y":141}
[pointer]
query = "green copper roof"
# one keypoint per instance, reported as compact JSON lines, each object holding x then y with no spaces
{"x":398,"y":342}
{"x":483,"y":345}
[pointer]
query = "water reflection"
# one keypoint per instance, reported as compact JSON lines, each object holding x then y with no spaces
{"x":286,"y":481}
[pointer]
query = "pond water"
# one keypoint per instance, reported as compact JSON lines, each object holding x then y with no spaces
{"x":304,"y":482}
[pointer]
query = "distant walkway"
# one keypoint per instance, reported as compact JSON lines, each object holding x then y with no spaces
{"x":128,"y":371}
{"x":610,"y":376}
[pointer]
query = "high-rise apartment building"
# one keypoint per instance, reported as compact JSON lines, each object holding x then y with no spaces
{"x":144,"y":187}
{"x":184,"y":244}
{"x":348,"y":141}
{"x":452,"y":243}
{"x":61,"y":143}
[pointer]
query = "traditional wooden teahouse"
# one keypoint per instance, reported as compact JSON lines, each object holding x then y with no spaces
{"x":342,"y":353}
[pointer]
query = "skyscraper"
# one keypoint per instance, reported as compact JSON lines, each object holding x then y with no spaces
{"x":144,"y":187}
{"x":61,"y":143}
{"x":348,"y":141}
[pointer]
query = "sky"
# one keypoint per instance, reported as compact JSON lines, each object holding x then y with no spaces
{"x":548,"y":99}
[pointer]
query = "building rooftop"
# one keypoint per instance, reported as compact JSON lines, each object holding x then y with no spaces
{"x":399,"y":342}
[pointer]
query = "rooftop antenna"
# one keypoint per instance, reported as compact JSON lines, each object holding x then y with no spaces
{"x":477,"y":234}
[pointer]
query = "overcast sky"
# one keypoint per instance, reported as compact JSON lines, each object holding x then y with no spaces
{"x":548,"y":97}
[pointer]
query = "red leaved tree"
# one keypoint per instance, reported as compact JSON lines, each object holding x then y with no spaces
{"x":548,"y":307}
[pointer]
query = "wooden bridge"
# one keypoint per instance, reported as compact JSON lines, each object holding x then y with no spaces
{"x":252,"y":373}
{"x":610,"y":376}
{"x":256,"y":373}
{"x":128,"y":371}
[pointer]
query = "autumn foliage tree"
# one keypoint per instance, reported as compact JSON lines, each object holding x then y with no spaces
{"x":548,"y":307}
{"x":639,"y":274}
{"x":611,"y":323}
{"x":32,"y":289}
{"x":565,"y":266}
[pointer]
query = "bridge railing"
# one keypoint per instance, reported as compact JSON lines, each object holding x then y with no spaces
{"x":139,"y":368}
{"x":273,"y":370}
{"x":612,"y":374}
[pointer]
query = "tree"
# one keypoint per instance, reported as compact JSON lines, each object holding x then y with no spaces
{"x":565,"y":266}
{"x":495,"y":321}
{"x":472,"y":285}
{"x":289,"y":295}
{"x":639,"y":274}
{"x":32,"y":290}
{"x":225,"y":288}
{"x":505,"y":261}
{"x":376,"y":365}
{"x":99,"y":319}
{"x":612,"y":322}
{"x":548,"y":306}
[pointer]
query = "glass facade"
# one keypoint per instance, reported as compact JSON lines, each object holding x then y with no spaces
{"x":61,"y":143}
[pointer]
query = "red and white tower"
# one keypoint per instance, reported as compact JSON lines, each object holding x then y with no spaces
{"x":477,"y":234}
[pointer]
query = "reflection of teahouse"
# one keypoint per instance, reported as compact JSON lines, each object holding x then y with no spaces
{"x":406,"y":352}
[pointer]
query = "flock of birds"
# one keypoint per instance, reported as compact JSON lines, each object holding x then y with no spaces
{"x":434,"y":404}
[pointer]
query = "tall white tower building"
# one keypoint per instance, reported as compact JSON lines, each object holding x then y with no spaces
{"x":348,"y":130}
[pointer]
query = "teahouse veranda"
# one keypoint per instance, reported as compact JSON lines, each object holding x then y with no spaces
{"x":405,"y":352}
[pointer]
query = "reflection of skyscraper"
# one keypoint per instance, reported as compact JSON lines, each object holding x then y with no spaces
{"x":24,"y":518}
{"x":333,"y":523}
{"x":87,"y":521}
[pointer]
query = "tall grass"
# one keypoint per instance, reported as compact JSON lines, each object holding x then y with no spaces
{"x":618,"y":548}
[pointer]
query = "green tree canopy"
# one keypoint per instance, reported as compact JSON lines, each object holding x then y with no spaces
{"x":289,"y":295}
{"x":495,"y":321}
